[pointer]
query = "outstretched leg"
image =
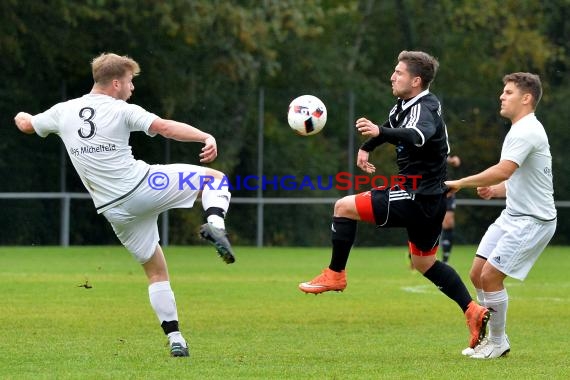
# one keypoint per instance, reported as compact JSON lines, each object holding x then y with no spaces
{"x":216,"y":201}
{"x":342,"y":237}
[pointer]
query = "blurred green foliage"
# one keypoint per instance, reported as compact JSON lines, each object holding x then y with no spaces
{"x":205,"y":62}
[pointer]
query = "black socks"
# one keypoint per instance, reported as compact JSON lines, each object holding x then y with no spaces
{"x":343,"y":235}
{"x":215,"y":211}
{"x":448,"y":281}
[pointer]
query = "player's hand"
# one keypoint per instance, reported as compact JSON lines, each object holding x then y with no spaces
{"x":453,"y":186}
{"x":367,"y":128}
{"x":485,"y":192}
{"x":209,"y":151}
{"x":362,"y":161}
{"x":454,"y":161}
{"x":23,"y":121}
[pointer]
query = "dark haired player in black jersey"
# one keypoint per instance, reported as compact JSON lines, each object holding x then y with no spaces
{"x":416,"y":128}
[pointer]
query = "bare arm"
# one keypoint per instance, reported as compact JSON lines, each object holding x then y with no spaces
{"x":23,"y":121}
{"x":495,"y":191}
{"x":494,"y":175}
{"x":178,"y":131}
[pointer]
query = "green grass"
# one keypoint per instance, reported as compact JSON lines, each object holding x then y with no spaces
{"x":248,"y":320}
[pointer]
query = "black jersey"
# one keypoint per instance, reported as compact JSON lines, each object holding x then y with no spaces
{"x":417,"y":129}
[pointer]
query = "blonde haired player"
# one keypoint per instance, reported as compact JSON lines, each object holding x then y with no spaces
{"x":130,"y":193}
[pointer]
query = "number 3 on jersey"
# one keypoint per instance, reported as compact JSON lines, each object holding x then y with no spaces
{"x":87,"y":114}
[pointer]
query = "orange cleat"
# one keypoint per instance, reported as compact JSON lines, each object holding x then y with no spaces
{"x":326,"y":281}
{"x":477,"y":318}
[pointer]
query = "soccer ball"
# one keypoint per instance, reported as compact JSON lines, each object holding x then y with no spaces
{"x":307,"y":115}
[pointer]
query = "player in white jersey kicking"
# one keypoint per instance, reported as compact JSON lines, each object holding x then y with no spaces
{"x":130,"y":193}
{"x":513,"y":243}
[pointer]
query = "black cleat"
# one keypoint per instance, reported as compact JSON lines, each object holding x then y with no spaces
{"x":219,"y":238}
{"x":178,"y":350}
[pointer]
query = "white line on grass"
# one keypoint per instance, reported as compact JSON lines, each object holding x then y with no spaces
{"x":430,"y":289}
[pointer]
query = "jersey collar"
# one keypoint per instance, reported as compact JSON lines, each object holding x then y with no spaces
{"x":410,"y":102}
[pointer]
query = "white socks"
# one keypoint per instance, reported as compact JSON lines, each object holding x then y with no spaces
{"x":162,"y":301}
{"x":164,"y":305}
{"x":497,"y":303}
{"x":216,"y":221}
{"x":176,"y":337}
{"x":480,"y":297}
{"x":216,"y":194}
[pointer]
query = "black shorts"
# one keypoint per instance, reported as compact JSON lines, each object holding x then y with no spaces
{"x":421,"y":215}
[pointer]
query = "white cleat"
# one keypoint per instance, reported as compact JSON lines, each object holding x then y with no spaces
{"x":492,"y":350}
{"x":471,"y":351}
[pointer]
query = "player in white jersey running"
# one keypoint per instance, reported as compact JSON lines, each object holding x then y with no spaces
{"x":130,"y":193}
{"x":513,"y":243}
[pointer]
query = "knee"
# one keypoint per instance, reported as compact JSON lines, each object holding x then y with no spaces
{"x":342,"y":208}
{"x":215,"y":180}
{"x":423,"y":263}
{"x":215,"y":173}
{"x":475,"y":277}
{"x":490,"y":281}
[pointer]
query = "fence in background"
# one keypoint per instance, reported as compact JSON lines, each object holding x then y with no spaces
{"x":259,"y":201}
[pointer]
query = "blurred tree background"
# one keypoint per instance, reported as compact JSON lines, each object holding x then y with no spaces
{"x":206,"y":62}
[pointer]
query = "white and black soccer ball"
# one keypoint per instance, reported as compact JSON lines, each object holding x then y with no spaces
{"x":307,"y":115}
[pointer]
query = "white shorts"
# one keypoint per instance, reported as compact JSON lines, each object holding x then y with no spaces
{"x":512,"y":244}
{"x":135,"y":220}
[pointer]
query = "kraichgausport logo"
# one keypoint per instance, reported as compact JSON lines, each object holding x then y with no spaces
{"x":341,"y":181}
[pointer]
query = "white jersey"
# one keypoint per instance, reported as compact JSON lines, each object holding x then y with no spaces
{"x":95,"y":129}
{"x":529,"y":190}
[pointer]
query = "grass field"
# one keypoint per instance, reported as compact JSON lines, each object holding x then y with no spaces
{"x":249,"y":321}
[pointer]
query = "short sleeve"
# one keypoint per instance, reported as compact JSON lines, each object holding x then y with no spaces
{"x":138,"y":119}
{"x":46,"y":122}
{"x":516,"y":148}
